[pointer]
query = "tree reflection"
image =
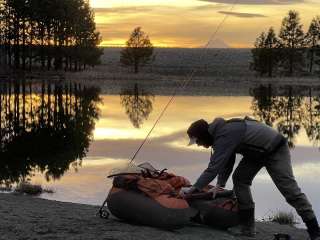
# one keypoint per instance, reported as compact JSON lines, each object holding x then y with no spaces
{"x":264,"y":100}
{"x":289,"y":114}
{"x":288,"y":109}
{"x":45,"y":127}
{"x":311,"y":120}
{"x":137,"y":103}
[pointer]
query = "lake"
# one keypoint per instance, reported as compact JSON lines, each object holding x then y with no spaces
{"x":70,"y":137}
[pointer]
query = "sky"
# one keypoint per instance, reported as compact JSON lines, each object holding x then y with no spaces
{"x":192,"y":23}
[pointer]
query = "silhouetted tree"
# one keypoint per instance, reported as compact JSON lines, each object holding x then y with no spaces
{"x":313,"y":40}
{"x":317,"y":58}
{"x":138,"y":51}
{"x":266,"y":54}
{"x":292,"y":43}
{"x":137,"y":103}
{"x":2,"y":32}
{"x":60,"y":34}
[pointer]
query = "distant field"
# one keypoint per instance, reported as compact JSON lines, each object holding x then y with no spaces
{"x":181,"y":61}
{"x":217,"y":72}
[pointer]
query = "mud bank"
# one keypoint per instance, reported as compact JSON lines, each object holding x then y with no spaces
{"x":24,"y":217}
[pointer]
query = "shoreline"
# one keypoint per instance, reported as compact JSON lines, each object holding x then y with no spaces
{"x":25,"y":217}
{"x":115,"y":82}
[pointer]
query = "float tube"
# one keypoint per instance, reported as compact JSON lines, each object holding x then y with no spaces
{"x":163,"y":212}
{"x":150,"y":200}
{"x":153,"y":200}
{"x":220,"y":212}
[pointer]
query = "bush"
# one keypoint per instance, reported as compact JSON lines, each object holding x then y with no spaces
{"x":31,"y":189}
{"x":5,"y":188}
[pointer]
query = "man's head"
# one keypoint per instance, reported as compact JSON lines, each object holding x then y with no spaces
{"x":198,"y":133}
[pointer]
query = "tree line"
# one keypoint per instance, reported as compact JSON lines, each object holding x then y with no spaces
{"x":290,"y":52}
{"x":48,"y":34}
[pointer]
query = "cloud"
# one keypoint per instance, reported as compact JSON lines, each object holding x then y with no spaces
{"x":256,"y":2}
{"x":156,"y":8}
{"x":126,"y":10}
{"x":242,"y":15}
{"x":208,"y":7}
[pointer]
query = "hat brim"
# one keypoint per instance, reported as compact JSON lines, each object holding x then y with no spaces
{"x":192,"y":141}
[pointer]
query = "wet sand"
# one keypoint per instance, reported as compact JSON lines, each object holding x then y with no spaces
{"x":24,"y":217}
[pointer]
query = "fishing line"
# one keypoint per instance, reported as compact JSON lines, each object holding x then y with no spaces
{"x":185,"y":82}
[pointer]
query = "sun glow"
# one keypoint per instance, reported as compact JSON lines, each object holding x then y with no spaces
{"x":170,"y":23}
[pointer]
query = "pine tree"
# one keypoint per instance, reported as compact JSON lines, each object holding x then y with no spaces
{"x":2,"y":32}
{"x":47,"y":33}
{"x":265,"y":54}
{"x":292,"y":43}
{"x":313,"y":41}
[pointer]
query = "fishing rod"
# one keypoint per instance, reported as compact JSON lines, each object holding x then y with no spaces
{"x":184,"y":83}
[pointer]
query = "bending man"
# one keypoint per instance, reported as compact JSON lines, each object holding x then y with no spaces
{"x":260,"y":146}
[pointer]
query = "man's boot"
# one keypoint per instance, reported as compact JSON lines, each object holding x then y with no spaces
{"x":246,"y":226}
{"x":313,"y":229}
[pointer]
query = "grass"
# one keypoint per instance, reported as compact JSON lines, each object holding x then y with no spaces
{"x":284,"y":218}
{"x":31,"y":189}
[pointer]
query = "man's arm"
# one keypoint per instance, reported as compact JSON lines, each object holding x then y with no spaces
{"x":226,"y":142}
{"x":224,"y":175}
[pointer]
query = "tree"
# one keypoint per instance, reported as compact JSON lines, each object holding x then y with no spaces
{"x":265,"y":56}
{"x":2,"y":32}
{"x":59,"y":33}
{"x":138,"y":51}
{"x":292,"y":43}
{"x":312,"y":40}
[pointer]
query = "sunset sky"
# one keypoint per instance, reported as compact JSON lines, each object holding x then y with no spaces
{"x":190,"y":23}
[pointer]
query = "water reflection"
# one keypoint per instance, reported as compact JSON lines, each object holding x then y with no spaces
{"x":44,"y":127}
{"x":137,"y":103}
{"x":289,"y":109}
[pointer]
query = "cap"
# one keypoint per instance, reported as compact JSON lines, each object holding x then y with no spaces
{"x":198,"y":129}
{"x":192,"y":141}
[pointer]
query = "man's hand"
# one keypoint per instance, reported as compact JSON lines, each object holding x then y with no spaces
{"x":186,"y":191}
{"x":214,"y":191}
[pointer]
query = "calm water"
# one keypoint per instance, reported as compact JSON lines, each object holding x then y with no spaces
{"x":45,"y":133}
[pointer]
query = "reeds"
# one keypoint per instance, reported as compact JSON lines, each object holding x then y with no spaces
{"x":283,"y":218}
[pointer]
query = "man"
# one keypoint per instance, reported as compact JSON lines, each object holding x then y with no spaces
{"x":260,"y":146}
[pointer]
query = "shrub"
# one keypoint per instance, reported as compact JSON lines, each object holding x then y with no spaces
{"x":31,"y":189}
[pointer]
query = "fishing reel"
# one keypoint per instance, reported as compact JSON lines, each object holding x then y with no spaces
{"x":103,"y":213}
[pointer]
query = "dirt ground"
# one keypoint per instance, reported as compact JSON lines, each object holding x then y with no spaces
{"x":24,"y":218}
